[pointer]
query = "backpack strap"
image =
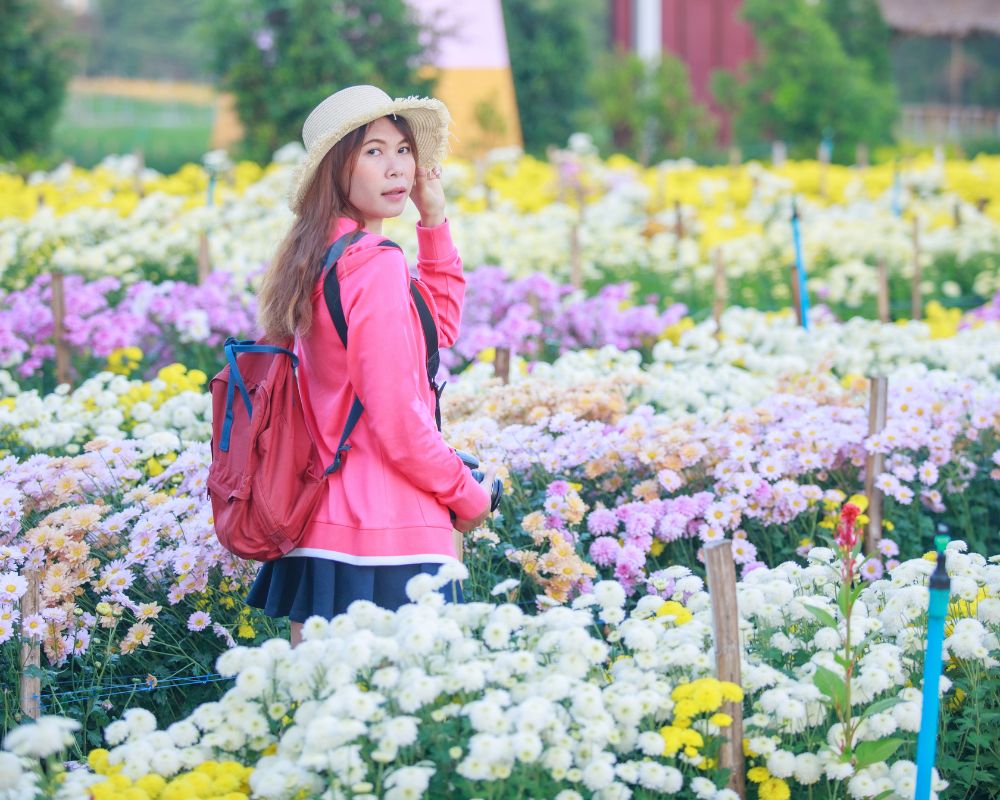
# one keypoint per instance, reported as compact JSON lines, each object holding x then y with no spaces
{"x":331,"y":292}
{"x":352,"y":419}
{"x":331,"y":286}
{"x":233,"y":348}
{"x":433,"y":351}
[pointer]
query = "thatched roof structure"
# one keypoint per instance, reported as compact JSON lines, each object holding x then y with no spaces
{"x":942,"y":17}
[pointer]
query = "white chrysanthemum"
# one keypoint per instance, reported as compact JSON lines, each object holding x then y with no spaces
{"x":762,"y":745}
{"x":116,"y":732}
{"x":703,"y":788}
{"x":599,"y":774}
{"x":452,"y":571}
{"x":252,"y":682}
{"x":827,"y":639}
{"x":781,"y":763}
{"x":496,"y":635}
{"x":139,"y":721}
{"x":557,"y":760}
{"x":11,"y":774}
{"x":419,"y":585}
{"x":231,"y":661}
{"x":314,"y":628}
{"x":609,"y":594}
{"x":808,"y":768}
{"x":527,"y":747}
{"x":166,"y":761}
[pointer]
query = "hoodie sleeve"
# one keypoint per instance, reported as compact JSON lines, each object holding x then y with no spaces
{"x":440,"y":269}
{"x":384,"y":352}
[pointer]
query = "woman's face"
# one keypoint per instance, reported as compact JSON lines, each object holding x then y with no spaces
{"x":383,"y":176}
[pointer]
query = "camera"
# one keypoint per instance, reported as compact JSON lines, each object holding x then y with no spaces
{"x":496,"y":490}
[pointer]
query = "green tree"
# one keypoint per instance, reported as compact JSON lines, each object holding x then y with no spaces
{"x":804,"y":85}
{"x":649,"y":107}
{"x":281,"y":57}
{"x":863,"y":33}
{"x":147,"y":40}
{"x":550,"y":44}
{"x":37,"y":63}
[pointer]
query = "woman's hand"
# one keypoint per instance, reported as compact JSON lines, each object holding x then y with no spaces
{"x":428,"y":196}
{"x":469,"y":525}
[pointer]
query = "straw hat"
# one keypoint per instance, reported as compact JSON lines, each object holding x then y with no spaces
{"x":355,"y":106}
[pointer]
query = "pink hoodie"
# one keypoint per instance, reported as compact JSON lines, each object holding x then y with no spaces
{"x":389,"y":502}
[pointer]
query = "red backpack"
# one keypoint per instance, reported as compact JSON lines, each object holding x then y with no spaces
{"x":266,"y":477}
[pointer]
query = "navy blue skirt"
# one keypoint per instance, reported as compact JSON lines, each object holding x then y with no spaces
{"x":299,"y":587}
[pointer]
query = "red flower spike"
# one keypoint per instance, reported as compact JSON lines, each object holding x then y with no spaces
{"x":847,"y":536}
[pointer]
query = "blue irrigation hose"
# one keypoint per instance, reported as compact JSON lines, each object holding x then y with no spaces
{"x":800,"y":266}
{"x":940,"y":589}
{"x":897,"y":208}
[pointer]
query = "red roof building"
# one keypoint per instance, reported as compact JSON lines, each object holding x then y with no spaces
{"x":705,"y":34}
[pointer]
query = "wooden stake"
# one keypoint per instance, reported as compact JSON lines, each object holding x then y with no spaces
{"x":575,"y":249}
{"x":59,"y":328}
{"x":883,"y":291}
{"x":575,"y":265}
{"x":204,"y":257}
{"x":823,"y":156}
{"x":916,"y":300}
{"x":861,"y":155}
{"x":735,"y":157}
{"x":874,"y":462}
{"x":140,"y":167}
{"x":501,"y":364}
{"x":779,"y":153}
{"x":726,"y":631}
{"x":31,"y":685}
{"x":796,"y":297}
{"x":720,"y":289}
{"x":678,"y":221}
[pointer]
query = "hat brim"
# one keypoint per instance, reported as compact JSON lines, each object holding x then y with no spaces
{"x":428,"y":118}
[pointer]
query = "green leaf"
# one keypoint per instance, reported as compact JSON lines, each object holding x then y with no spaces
{"x":842,"y":600}
{"x":880,"y":706}
{"x":868,"y":753}
{"x":824,"y":616}
{"x":832,"y":686}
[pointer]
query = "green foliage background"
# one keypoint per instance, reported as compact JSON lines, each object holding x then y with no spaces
{"x":552,"y":45}
{"x":809,"y":83}
{"x":282,"y":58}
{"x":159,"y":41}
{"x":648,"y":110}
{"x":37,"y":61}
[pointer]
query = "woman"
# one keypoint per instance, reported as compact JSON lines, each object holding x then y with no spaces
{"x":386,"y":514}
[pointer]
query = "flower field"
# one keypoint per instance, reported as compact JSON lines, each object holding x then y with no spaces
{"x":633,"y":431}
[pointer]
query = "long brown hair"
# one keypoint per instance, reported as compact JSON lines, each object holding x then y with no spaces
{"x":285,"y":294}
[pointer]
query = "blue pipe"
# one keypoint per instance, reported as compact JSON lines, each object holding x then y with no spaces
{"x":897,"y":208}
{"x":940,"y":589}
{"x":800,"y":266}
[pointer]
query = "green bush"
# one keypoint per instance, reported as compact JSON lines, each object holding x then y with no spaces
{"x":550,"y":44}
{"x":648,"y":108}
{"x":35,"y":54}
{"x":281,"y":57}
{"x":807,"y":84}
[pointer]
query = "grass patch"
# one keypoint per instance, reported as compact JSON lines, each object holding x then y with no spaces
{"x":170,"y":134}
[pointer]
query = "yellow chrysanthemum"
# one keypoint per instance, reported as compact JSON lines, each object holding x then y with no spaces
{"x":774,"y":789}
{"x":758,"y":774}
